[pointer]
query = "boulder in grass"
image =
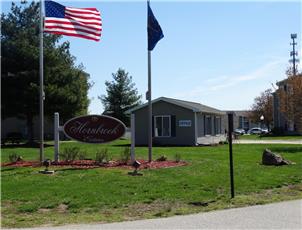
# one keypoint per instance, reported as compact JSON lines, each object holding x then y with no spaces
{"x":270,"y":158}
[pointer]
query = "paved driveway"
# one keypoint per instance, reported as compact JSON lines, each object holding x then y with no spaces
{"x":284,"y":215}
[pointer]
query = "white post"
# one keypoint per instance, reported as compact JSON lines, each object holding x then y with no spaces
{"x":56,"y":137}
{"x":132,"y":137}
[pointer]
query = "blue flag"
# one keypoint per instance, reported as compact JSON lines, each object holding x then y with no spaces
{"x":154,"y":31}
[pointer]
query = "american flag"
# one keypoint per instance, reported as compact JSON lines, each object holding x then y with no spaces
{"x":78,"y":22}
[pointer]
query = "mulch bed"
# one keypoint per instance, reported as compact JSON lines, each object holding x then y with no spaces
{"x":86,"y":164}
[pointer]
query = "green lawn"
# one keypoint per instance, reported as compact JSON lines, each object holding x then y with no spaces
{"x":106,"y":195}
{"x":258,"y":137}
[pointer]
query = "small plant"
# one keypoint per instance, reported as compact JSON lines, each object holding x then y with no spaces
{"x":125,"y":155}
{"x":177,"y":157}
{"x":70,"y":153}
{"x":14,"y":157}
{"x":102,"y":157}
{"x":223,"y":142}
{"x":82,"y":156}
{"x":162,"y":158}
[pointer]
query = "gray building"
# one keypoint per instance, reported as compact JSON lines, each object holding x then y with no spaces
{"x":242,"y":120}
{"x":178,"y":122}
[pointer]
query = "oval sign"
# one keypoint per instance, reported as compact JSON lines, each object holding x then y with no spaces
{"x":94,"y":129}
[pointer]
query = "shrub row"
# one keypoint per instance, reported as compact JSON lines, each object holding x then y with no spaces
{"x":101,"y":157}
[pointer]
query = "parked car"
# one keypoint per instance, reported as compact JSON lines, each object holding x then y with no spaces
{"x":255,"y":131}
{"x":265,"y":131}
{"x":13,"y":137}
{"x":239,"y":131}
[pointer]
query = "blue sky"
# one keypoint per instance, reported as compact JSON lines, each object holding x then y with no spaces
{"x":222,"y":54}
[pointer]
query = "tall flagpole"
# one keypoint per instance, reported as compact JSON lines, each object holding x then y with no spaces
{"x":149,"y":97}
{"x":41,"y":86}
{"x":154,"y":35}
{"x":149,"y":108}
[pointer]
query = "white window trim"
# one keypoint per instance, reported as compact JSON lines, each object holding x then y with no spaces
{"x":208,"y":135}
{"x":219,"y":131}
{"x":162,"y":124}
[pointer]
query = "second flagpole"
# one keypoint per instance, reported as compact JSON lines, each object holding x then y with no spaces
{"x":149,"y":94}
{"x":149,"y":109}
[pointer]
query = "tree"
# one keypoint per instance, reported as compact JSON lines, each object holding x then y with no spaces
{"x":66,"y":85}
{"x":263,"y":106}
{"x":121,"y":96}
{"x":290,"y":99}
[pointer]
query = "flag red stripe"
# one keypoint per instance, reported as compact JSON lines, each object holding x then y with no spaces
{"x":94,"y":9}
{"x":73,"y":35}
{"x":97,"y":17}
{"x":74,"y":8}
{"x":58,"y":30}
{"x":73,"y":29}
{"x":70,"y":25}
{"x":70,"y":21}
{"x":77,"y":10}
{"x":67,"y":15}
{"x":89,"y":21}
{"x":82,"y":13}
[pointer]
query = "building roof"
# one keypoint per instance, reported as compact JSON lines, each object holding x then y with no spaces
{"x":239,"y":112}
{"x":284,"y":81}
{"x":194,"y":106}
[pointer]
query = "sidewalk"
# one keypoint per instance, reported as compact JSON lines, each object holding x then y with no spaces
{"x":283,"y":215}
{"x":294,"y":142}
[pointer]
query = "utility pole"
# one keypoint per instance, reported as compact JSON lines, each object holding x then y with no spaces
{"x":294,"y":53}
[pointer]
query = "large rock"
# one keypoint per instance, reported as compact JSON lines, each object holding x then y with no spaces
{"x":270,"y":158}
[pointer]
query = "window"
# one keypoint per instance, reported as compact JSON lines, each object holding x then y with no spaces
{"x":240,"y":122}
{"x":246,"y":123}
{"x":162,"y":127}
{"x":217,"y":125}
{"x":243,"y":122}
{"x":208,"y":125}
